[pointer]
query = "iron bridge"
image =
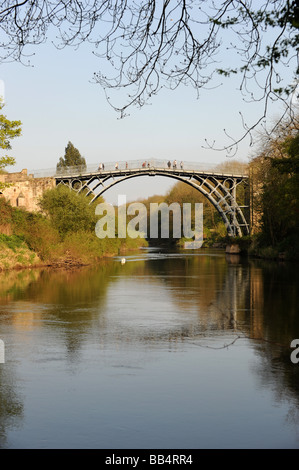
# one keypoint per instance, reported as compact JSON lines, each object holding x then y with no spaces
{"x":218,"y":187}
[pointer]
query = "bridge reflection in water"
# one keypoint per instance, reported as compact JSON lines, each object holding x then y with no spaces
{"x":145,"y":333}
{"x":218,"y":187}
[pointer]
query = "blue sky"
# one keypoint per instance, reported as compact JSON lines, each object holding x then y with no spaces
{"x":57,"y":102}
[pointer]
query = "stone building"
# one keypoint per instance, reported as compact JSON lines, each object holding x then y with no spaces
{"x":25,"y":190}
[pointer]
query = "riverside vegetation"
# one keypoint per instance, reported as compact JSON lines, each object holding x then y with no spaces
{"x":62,"y":234}
{"x":274,"y":173}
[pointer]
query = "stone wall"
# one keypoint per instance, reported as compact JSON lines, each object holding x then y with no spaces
{"x":25,"y":190}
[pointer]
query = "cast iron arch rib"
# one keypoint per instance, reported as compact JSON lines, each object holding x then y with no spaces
{"x":218,"y":188}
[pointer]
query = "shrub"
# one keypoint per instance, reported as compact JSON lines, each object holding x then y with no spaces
{"x":68,"y":210}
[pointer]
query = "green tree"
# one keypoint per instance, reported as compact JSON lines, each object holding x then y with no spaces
{"x":8,"y":131}
{"x":184,"y":193}
{"x":68,"y":211}
{"x":72,"y":157}
{"x":288,"y":168}
{"x":276,"y":189}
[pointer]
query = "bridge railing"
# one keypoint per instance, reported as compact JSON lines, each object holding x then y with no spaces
{"x":225,"y":168}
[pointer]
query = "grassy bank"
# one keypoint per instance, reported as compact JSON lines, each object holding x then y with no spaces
{"x":14,"y":253}
{"x":63,"y":235}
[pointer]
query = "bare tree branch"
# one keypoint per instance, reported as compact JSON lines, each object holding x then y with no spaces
{"x":150,"y":44}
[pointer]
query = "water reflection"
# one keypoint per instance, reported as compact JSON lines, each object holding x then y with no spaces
{"x":56,"y":320}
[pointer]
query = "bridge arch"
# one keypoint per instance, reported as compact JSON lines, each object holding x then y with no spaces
{"x":218,"y":188}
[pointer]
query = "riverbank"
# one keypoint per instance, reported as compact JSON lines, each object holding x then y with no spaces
{"x":254,"y":247}
{"x":86,"y":250}
{"x":64,"y":237}
{"x":15,"y":254}
{"x":32,"y":240}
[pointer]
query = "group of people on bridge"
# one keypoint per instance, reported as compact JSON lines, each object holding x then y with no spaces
{"x":144,"y":165}
{"x":174,"y":165}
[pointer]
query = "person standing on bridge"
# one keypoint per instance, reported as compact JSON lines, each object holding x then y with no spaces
{"x":169,"y":164}
{"x":100,"y":167}
{"x":116,"y":166}
{"x":182,"y":165}
{"x":174,"y":164}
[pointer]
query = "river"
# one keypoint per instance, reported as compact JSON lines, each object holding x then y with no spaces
{"x":177,"y":350}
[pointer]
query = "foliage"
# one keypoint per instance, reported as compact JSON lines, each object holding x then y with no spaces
{"x":12,"y":241}
{"x":8,"y":131}
{"x":68,"y":210}
{"x":6,"y":211}
{"x":184,"y":193}
{"x":290,"y":166}
{"x":74,"y":219}
{"x":32,"y":228}
{"x":65,"y":230}
{"x":72,"y":157}
{"x":39,"y":234}
{"x":83,"y":245}
{"x":276,"y":184}
{"x":15,"y":253}
{"x":213,"y":226}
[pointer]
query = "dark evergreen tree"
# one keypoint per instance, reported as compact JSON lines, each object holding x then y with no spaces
{"x":72,"y":157}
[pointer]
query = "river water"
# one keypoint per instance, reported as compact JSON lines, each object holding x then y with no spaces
{"x":167,"y":351}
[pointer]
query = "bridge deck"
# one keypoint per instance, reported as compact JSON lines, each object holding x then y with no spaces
{"x":127,"y":168}
{"x":151,"y":170}
{"x":130,"y":167}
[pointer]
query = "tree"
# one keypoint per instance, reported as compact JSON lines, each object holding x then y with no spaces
{"x":288,"y":167}
{"x":275,"y":175}
{"x":151,"y":44}
{"x":8,"y":131}
{"x":68,"y":211}
{"x":72,"y":157}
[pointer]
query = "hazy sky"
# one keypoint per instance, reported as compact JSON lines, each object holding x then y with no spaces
{"x":57,"y":102}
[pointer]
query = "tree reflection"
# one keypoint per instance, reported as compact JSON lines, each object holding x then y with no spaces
{"x":11,"y":406}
